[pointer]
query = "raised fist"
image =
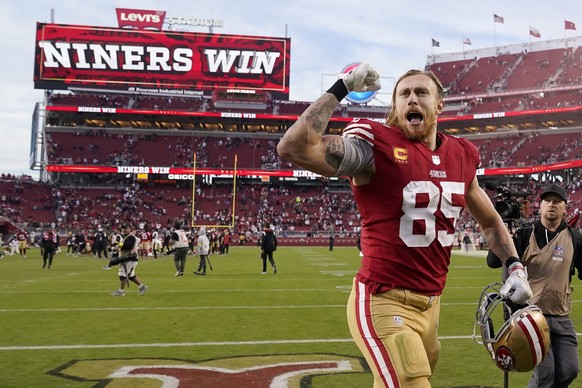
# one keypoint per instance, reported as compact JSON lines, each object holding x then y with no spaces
{"x":363,"y":78}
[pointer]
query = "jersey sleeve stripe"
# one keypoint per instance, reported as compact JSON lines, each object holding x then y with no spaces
{"x":359,"y":132}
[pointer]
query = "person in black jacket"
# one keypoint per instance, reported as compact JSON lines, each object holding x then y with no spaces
{"x":100,"y":246}
{"x":268,"y":244}
{"x":551,"y":250}
{"x":331,"y":241}
{"x":49,"y":245}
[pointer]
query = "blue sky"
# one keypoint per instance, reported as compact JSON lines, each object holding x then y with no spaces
{"x":325,"y":36}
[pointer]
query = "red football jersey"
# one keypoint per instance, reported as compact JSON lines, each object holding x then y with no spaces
{"x":145,"y":237}
{"x":410,"y":208}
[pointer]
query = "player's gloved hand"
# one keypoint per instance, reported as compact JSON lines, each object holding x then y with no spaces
{"x":363,"y":78}
{"x":516,"y":287}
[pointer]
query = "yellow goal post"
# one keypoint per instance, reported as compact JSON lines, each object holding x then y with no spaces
{"x":193,"y":215}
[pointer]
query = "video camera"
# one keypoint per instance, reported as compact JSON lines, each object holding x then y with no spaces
{"x":122,"y":259}
{"x":505,"y":202}
{"x":507,"y":206}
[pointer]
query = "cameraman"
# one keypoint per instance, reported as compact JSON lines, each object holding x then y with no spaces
{"x":550,"y":250}
{"x":127,"y":261}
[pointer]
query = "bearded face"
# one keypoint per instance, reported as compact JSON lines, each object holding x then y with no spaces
{"x":416,"y":125}
{"x":416,"y":106}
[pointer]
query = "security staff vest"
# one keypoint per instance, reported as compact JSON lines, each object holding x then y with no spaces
{"x":549,"y":273}
{"x":182,"y":239}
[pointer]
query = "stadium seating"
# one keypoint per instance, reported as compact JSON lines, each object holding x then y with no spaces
{"x":535,"y":69}
{"x":572,"y":69}
{"x":483,"y":73}
{"x":449,"y":72}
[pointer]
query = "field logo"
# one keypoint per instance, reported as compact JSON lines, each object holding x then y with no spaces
{"x":358,"y":97}
{"x":282,"y":371}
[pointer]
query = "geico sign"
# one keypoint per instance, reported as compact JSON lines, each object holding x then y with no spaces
{"x":181,"y":176}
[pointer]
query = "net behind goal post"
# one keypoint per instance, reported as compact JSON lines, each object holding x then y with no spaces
{"x":196,"y":223}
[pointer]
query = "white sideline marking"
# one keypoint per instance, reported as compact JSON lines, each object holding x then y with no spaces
{"x":173,"y":308}
{"x":192,"y":344}
{"x":338,"y":273}
{"x":261,"y":290}
{"x":187,"y":344}
{"x":333,"y":306}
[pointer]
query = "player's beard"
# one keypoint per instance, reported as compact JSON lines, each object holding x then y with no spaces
{"x":428,"y":126}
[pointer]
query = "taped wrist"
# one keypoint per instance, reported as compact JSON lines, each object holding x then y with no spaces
{"x":513,"y":264}
{"x":338,"y":89}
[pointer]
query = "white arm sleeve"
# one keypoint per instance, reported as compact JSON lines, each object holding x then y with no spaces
{"x":357,"y":156}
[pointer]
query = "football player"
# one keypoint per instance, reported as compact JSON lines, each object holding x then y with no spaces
{"x":22,"y":244}
{"x":410,"y":184}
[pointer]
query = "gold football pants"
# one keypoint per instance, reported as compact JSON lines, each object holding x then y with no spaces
{"x":397,"y":332}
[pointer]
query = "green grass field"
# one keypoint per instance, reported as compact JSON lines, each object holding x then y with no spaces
{"x":62,"y":328}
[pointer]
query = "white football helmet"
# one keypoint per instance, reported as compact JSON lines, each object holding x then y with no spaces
{"x":523,"y":340}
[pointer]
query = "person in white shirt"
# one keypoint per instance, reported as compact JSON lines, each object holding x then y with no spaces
{"x":179,"y":243}
{"x":202,"y":249}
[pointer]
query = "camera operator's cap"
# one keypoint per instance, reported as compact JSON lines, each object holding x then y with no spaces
{"x":554,"y":189}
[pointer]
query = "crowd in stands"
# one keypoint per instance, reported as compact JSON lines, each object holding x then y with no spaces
{"x":98,"y":147}
{"x":529,"y":149}
{"x":290,"y":209}
{"x":293,"y":208}
{"x":295,"y":211}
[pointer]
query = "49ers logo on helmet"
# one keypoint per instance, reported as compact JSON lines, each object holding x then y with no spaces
{"x":505,"y":359}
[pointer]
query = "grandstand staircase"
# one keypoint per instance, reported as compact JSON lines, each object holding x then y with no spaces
{"x":500,"y":84}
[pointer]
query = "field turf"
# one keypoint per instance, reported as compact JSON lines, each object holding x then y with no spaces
{"x":231,"y":328}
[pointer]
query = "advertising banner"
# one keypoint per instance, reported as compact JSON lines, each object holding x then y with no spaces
{"x":158,"y":62}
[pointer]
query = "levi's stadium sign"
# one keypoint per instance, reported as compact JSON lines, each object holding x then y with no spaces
{"x":140,"y":19}
{"x":149,"y":61}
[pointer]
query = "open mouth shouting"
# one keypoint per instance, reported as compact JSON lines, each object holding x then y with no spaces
{"x":414,"y":118}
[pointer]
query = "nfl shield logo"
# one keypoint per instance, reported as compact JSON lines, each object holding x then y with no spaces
{"x":436,"y":160}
